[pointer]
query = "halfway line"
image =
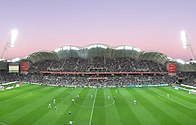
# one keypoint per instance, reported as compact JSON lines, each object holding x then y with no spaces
{"x":93,"y":108}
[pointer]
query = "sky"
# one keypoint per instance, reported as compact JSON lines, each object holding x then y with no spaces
{"x":151,"y":25}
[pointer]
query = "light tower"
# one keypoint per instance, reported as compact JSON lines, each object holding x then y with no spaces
{"x":10,"y":43}
{"x":186,"y":44}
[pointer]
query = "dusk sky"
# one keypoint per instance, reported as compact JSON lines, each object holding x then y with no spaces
{"x":151,"y":25}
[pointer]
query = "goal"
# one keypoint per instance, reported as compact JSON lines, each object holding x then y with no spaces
{"x":192,"y":91}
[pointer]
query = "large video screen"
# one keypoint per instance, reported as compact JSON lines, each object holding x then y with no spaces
{"x":13,"y":68}
{"x":24,"y":67}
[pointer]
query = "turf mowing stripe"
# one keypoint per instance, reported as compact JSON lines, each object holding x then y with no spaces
{"x":173,"y":112}
{"x":99,"y":109}
{"x":138,"y":108}
{"x":25,"y":109}
{"x":84,"y":111}
{"x":111,"y":113}
{"x":70,"y":106}
{"x":181,"y":107}
{"x":42,"y":109}
{"x":180,"y":100}
{"x":183,"y":98}
{"x":52,"y":116}
{"x":181,"y":93}
{"x":142,"y":107}
{"x":126,"y":112}
{"x":1,"y":123}
{"x":20,"y":101}
{"x":170,"y":117}
{"x":15,"y":93}
{"x":91,"y":116}
{"x":8,"y":91}
{"x":148,"y":104}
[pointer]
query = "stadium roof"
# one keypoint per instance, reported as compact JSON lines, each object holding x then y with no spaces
{"x":103,"y":50}
{"x":99,"y":50}
{"x":40,"y":56}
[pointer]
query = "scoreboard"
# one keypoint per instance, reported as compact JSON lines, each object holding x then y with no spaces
{"x":13,"y":67}
{"x":22,"y":67}
{"x":172,"y":68}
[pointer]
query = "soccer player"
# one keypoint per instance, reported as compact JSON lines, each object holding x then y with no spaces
{"x":55,"y":108}
{"x":134,"y":101}
{"x":78,"y":96}
{"x":54,"y":101}
{"x":62,"y":100}
{"x":69,"y":113}
{"x":167,"y":95}
{"x":70,"y":122}
{"x":49,"y":105}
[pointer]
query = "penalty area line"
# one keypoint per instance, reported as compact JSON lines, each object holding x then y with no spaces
{"x":93,"y":108}
{"x":179,"y":103}
{"x":1,"y":123}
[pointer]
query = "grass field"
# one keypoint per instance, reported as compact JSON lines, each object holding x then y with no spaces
{"x":28,"y":105}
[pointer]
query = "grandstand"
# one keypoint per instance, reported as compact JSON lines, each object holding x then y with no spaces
{"x":99,"y":61}
{"x":110,"y":82}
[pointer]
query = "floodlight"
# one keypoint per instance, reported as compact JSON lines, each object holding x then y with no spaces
{"x":14,"y":34}
{"x":186,"y":43}
{"x":184,"y":39}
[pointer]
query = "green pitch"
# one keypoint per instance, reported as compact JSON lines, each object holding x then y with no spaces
{"x":28,"y":105}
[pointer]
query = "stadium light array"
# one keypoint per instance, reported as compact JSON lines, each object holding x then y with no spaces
{"x":10,"y":43}
{"x":186,"y":43}
{"x":184,"y":39}
{"x":14,"y":34}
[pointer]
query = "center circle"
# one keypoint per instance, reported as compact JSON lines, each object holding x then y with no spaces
{"x":108,"y":102}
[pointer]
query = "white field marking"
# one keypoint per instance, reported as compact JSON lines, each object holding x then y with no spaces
{"x":15,"y":98}
{"x":1,"y":123}
{"x":179,"y":103}
{"x":93,"y":108}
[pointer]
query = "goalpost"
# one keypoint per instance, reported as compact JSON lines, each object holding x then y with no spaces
{"x":192,"y":91}
{"x":1,"y":88}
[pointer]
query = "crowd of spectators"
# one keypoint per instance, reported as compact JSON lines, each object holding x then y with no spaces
{"x":88,"y":81}
{"x":188,"y":78}
{"x":97,"y":64}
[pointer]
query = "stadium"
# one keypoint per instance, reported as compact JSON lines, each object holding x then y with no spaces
{"x":97,"y":85}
